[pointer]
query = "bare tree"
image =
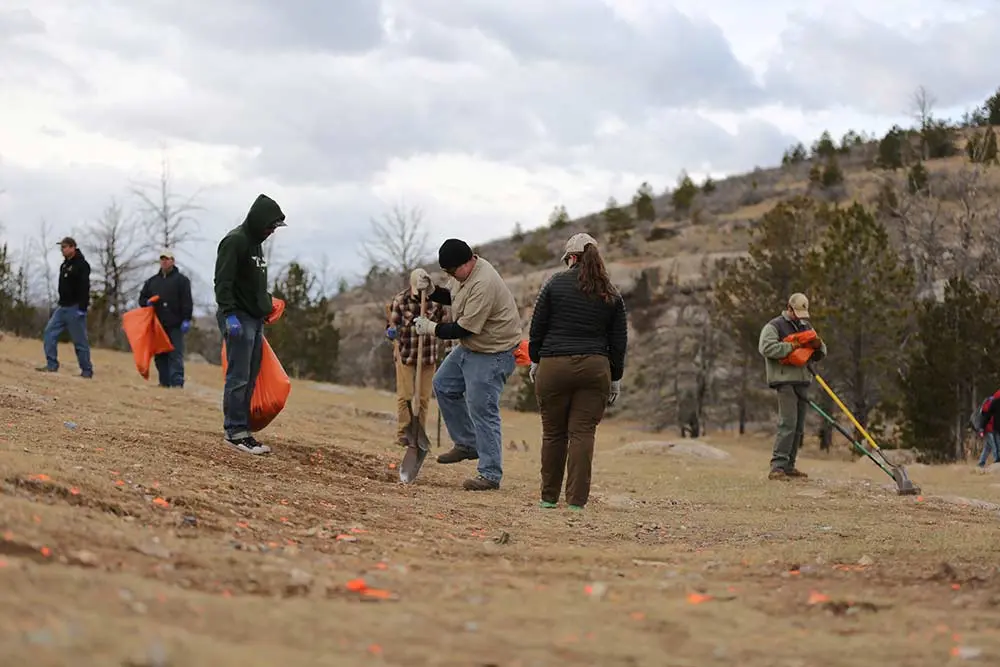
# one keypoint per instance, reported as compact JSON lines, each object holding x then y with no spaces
{"x":166,"y":216}
{"x":922,"y":103}
{"x":39,"y":263}
{"x":118,"y":253}
{"x":398,"y":243}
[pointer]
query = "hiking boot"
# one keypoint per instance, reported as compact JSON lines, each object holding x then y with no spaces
{"x":480,"y":483}
{"x":794,"y":472}
{"x":778,"y":475}
{"x":575,"y":508}
{"x":546,"y":505}
{"x":248,"y":444}
{"x":456,"y":454}
{"x":46,"y":369}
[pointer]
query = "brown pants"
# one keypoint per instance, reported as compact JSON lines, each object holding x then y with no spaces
{"x":405,"y":379}
{"x":572,"y":395}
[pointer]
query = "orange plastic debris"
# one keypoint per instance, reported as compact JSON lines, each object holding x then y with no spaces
{"x":375,"y":649}
{"x":377,"y":593}
{"x":356,"y":585}
{"x":160,"y":502}
{"x":815,"y":597}
{"x":119,"y":483}
{"x":698,"y":598}
{"x":46,"y":551}
{"x":41,"y":477}
{"x":637,"y":616}
{"x":74,"y":491}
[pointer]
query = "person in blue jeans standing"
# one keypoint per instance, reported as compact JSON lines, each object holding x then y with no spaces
{"x":71,"y":313}
{"x":486,"y":323}
{"x":174,"y":309}
{"x":243,"y":302}
{"x":989,"y":433}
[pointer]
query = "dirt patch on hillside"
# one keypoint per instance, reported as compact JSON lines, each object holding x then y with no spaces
{"x":131,"y":535}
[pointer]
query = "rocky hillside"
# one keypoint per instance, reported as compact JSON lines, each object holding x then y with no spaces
{"x":666,"y":266}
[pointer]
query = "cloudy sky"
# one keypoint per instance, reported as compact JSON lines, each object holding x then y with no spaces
{"x":481,"y":112}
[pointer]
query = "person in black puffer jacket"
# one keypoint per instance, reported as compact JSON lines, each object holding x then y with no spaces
{"x":577,"y":343}
{"x":174,"y":309}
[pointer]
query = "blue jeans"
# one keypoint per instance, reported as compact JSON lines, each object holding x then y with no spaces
{"x":243,"y":355}
{"x":468,"y":386}
{"x":170,"y":365}
{"x":990,"y":445}
{"x":63,"y":318}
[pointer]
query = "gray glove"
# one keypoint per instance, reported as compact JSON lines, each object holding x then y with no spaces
{"x":532,"y":371}
{"x":616,"y":388}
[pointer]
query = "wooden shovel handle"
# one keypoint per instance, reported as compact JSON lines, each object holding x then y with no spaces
{"x":420,"y":358}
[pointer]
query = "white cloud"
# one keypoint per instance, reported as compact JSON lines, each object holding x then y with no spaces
{"x":484,"y":113}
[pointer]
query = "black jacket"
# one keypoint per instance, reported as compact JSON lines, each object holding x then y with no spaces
{"x":74,"y":282}
{"x":175,"y":304}
{"x":240,"y":267}
{"x":566,"y":321}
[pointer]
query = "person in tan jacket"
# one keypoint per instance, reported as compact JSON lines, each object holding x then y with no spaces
{"x":468,"y":385}
{"x":402,"y":312}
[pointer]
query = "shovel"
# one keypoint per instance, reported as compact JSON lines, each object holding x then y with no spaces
{"x":904,"y":485}
{"x":418,"y":442}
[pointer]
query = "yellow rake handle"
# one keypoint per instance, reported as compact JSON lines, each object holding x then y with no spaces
{"x":847,"y":412}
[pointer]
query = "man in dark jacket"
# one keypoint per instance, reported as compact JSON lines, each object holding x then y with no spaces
{"x":71,"y":313}
{"x":174,"y":309}
{"x":243,"y":302}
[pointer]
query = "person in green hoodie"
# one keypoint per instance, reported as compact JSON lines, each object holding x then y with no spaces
{"x":243,"y":302}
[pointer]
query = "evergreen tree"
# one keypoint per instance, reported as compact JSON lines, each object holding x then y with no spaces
{"x":890,"y":149}
{"x":684,"y":194}
{"x":860,"y":305}
{"x":559,"y":218}
{"x":643,"y":202}
{"x":950,"y":370}
{"x":305,"y":339}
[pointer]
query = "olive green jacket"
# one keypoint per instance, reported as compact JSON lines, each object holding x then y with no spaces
{"x":773,"y":350}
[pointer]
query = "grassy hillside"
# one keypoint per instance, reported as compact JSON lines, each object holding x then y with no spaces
{"x":664,"y":253}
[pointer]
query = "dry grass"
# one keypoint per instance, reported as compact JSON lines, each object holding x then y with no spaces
{"x":242,"y":566}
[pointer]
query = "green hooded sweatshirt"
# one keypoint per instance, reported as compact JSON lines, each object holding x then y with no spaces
{"x":240,"y":267}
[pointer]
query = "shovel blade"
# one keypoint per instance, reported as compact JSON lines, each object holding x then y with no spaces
{"x":416,"y":451}
{"x":409,"y":468}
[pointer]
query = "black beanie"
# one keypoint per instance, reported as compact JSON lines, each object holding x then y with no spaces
{"x":453,"y":253}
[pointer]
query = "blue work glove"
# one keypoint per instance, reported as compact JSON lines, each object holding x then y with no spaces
{"x":185,"y":326}
{"x":390,"y":333}
{"x":233,"y":326}
{"x":80,"y":312}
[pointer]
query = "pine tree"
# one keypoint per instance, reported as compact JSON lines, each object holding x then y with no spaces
{"x":559,"y":218}
{"x":643,"y":202}
{"x":305,"y":339}
{"x":860,"y":304}
{"x":950,"y":370}
{"x":684,"y":194}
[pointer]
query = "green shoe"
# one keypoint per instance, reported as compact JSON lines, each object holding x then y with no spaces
{"x":546,"y":505}
{"x":576,"y":508}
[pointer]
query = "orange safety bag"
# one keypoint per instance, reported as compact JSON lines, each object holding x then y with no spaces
{"x":521,"y":357}
{"x":800,"y":356}
{"x":273,"y":386}
{"x":146,"y":336}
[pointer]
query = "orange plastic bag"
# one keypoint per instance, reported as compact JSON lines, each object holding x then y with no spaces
{"x":146,"y":336}
{"x":800,"y":356}
{"x":521,"y":357}
{"x":273,"y":386}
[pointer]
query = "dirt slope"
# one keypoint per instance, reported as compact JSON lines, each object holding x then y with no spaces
{"x":130,"y":535}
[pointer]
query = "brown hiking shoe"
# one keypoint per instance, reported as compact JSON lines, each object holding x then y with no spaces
{"x":480,"y":483}
{"x":456,"y":454}
{"x":794,"y":472}
{"x":778,"y":475}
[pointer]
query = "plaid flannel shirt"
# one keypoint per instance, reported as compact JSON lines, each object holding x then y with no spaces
{"x":404,"y":309}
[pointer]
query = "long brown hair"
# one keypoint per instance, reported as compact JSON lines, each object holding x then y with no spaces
{"x":594,"y":279}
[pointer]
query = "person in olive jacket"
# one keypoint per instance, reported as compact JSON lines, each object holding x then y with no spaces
{"x":243,"y":302}
{"x":174,"y":309}
{"x":71,"y":313}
